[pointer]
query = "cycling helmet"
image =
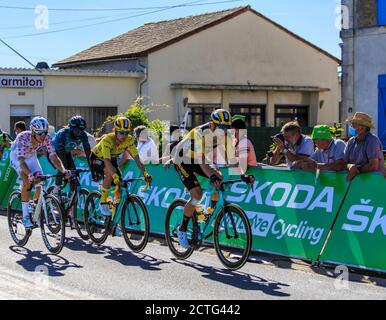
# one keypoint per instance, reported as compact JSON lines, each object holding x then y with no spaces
{"x":221,"y":118}
{"x":122,"y":124}
{"x":38,"y":125}
{"x":77,"y":122}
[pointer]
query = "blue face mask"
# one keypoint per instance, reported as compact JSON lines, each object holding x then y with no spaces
{"x":352,"y":132}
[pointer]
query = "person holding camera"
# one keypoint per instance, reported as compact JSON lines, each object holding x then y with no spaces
{"x":292,"y":144}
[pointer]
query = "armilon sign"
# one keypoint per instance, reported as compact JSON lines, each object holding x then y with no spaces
{"x":30,"y":82}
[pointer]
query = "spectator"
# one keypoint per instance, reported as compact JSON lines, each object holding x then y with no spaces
{"x":19,"y":127}
{"x":293,"y":144}
{"x":79,"y":151}
{"x":174,"y":138}
{"x":364,"y":150}
{"x":147,"y":149}
{"x":5,"y":142}
{"x":244,"y":150}
{"x":329,"y":154}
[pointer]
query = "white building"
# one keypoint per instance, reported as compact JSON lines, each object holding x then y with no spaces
{"x":60,"y":94}
{"x":237,"y":59}
{"x":364,"y":61}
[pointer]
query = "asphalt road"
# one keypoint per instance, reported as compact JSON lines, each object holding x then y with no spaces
{"x":111,"y":271}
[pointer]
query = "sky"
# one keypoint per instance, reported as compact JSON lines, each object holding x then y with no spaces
{"x":57,"y":34}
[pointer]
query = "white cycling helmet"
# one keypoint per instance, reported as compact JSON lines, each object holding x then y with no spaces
{"x":38,"y":125}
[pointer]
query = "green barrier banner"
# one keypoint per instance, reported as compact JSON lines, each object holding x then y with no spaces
{"x":290,"y":212}
{"x":129,"y":171}
{"x":6,"y":174}
{"x":359,"y":235}
{"x":166,"y":187}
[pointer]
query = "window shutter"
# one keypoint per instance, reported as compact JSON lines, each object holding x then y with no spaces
{"x":381,"y":10}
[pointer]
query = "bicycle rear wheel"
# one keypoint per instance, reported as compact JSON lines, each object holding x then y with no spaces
{"x":79,"y":205}
{"x":173,"y":219}
{"x":97,"y":225}
{"x":53,"y":226}
{"x":232,"y":237}
{"x":135,"y":223}
{"x":19,"y":233}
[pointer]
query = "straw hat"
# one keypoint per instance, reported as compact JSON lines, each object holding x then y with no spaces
{"x":362,"y":119}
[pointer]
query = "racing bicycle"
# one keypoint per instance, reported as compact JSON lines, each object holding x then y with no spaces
{"x":47,"y":214}
{"x":72,"y":201}
{"x":228,"y":226}
{"x":129,"y":213}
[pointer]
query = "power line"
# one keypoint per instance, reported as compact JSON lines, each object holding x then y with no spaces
{"x":116,"y":20}
{"x":92,"y":9}
{"x":62,"y":22}
{"x":19,"y":54}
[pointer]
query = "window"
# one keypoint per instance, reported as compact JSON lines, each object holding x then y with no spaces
{"x":381,"y":10}
{"x":200,"y":113}
{"x":287,"y":113}
{"x":94,"y":116}
{"x":255,"y":114}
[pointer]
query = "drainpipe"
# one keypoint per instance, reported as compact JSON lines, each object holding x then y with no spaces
{"x":144,"y":80}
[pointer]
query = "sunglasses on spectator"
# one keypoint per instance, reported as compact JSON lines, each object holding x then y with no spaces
{"x":124,"y":133}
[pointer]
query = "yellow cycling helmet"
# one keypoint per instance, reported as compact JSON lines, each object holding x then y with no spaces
{"x":221,"y":118}
{"x":122,"y":124}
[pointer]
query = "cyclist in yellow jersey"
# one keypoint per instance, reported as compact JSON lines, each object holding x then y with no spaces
{"x":104,"y":159}
{"x":190,"y":159}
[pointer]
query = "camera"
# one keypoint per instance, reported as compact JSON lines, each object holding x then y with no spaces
{"x":279,"y":136}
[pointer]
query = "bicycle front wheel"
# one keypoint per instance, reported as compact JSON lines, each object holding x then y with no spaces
{"x":173,"y":219}
{"x":78,"y":214}
{"x":53,"y":225}
{"x":19,"y":233}
{"x":97,"y":225}
{"x":135,"y":223}
{"x":232,"y":237}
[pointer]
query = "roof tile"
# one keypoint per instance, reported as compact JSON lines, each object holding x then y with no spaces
{"x":141,"y":40}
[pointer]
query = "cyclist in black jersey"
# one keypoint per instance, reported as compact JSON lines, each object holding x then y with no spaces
{"x":190,"y":158}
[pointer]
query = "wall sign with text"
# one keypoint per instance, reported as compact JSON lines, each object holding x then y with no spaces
{"x":33,"y":82}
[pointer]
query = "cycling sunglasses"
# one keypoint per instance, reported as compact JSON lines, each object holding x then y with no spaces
{"x":122,"y":132}
{"x":41,"y":133}
{"x":223,"y":126}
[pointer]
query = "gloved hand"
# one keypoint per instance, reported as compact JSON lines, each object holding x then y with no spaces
{"x":34,"y":177}
{"x":148,"y":177}
{"x":67,"y":174}
{"x":116,"y":179}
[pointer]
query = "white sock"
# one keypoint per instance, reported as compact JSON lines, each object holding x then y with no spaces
{"x":25,"y":206}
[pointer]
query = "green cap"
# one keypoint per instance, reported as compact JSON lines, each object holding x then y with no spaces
{"x":321,"y":132}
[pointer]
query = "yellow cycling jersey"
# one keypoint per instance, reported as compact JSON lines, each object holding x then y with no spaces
{"x":109,"y":147}
{"x":199,"y":142}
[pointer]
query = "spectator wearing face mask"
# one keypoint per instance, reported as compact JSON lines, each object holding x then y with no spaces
{"x":293,"y":144}
{"x":329,"y":154}
{"x":364,"y":151}
{"x":147,"y":149}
